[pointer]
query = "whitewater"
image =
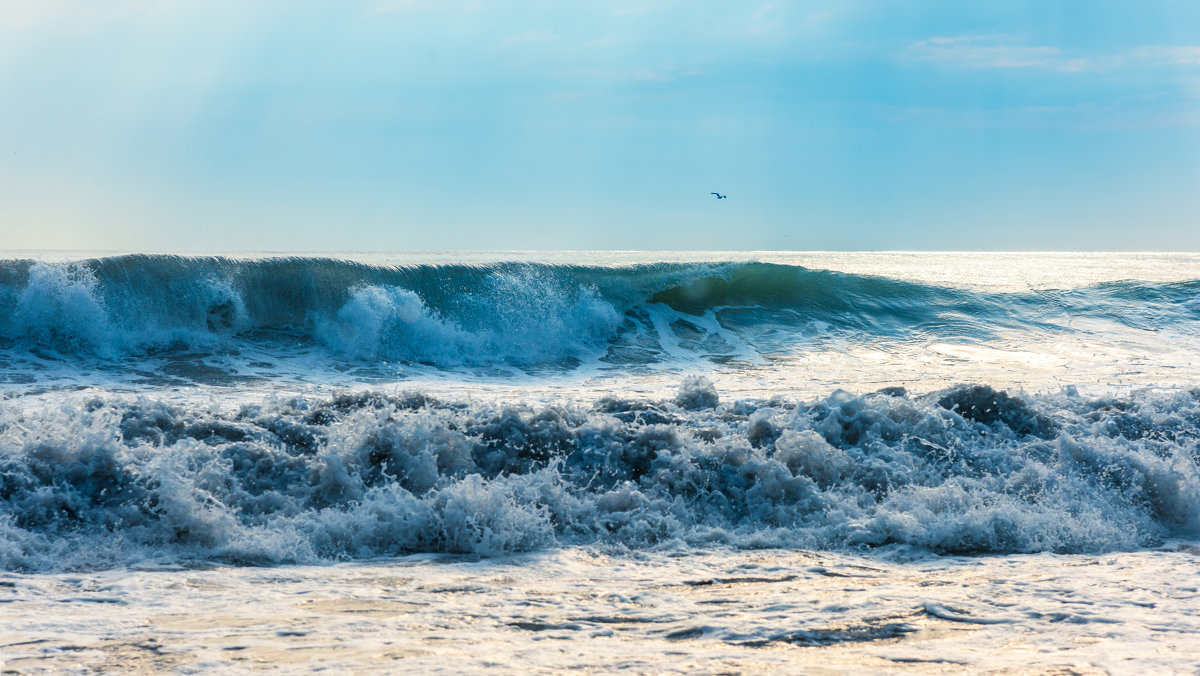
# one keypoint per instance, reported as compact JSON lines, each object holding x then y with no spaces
{"x":600,"y":461}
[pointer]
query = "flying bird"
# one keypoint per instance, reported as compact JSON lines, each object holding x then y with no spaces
{"x":719,"y":195}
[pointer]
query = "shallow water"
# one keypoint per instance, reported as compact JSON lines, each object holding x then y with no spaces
{"x":678,"y":611}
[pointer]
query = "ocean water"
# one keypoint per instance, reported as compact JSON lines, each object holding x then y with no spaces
{"x":598,"y":461}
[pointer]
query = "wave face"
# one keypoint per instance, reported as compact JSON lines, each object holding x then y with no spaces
{"x":110,"y":480}
{"x":527,"y":315}
{"x":440,"y":315}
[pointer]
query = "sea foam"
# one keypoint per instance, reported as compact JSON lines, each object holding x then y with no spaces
{"x":110,"y":480}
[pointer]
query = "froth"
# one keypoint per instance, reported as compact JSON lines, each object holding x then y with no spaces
{"x":100,"y":481}
{"x":520,"y":317}
{"x":60,"y":307}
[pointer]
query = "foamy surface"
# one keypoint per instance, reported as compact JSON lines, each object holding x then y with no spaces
{"x":683,"y":611}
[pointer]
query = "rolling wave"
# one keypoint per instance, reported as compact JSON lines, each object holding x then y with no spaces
{"x":512,"y":313}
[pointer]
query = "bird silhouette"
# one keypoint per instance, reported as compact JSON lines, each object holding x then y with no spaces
{"x":719,"y":195}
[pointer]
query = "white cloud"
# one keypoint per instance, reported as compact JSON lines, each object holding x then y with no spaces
{"x":534,"y":37}
{"x":646,"y":74}
{"x":456,"y":6}
{"x":1186,"y":55}
{"x":989,"y":52}
{"x":998,"y":51}
{"x":630,"y":11}
{"x":772,"y":19}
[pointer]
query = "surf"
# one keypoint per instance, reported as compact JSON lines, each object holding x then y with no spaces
{"x":103,"y":480}
{"x":523,"y":314}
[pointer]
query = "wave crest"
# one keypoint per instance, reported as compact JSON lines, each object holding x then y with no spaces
{"x":530,"y":314}
{"x":59,"y":307}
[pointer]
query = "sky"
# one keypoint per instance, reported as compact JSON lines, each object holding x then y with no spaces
{"x":392,"y":125}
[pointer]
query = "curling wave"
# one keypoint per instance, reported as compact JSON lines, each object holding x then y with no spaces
{"x":520,"y":314}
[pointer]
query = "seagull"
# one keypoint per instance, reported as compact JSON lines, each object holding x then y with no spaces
{"x":719,"y":195}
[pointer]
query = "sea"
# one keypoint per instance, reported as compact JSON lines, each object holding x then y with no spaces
{"x":598,"y":462}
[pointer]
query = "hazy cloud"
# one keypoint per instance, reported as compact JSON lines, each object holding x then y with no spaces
{"x":646,"y":74}
{"x":456,"y":6}
{"x":533,"y":37}
{"x":995,"y":51}
{"x":986,"y":52}
{"x":1187,"y":55}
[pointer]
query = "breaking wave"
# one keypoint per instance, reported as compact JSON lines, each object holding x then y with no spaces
{"x":514,"y":313}
{"x":110,"y":480}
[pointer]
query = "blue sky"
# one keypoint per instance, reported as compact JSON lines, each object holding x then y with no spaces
{"x":418,"y":124}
